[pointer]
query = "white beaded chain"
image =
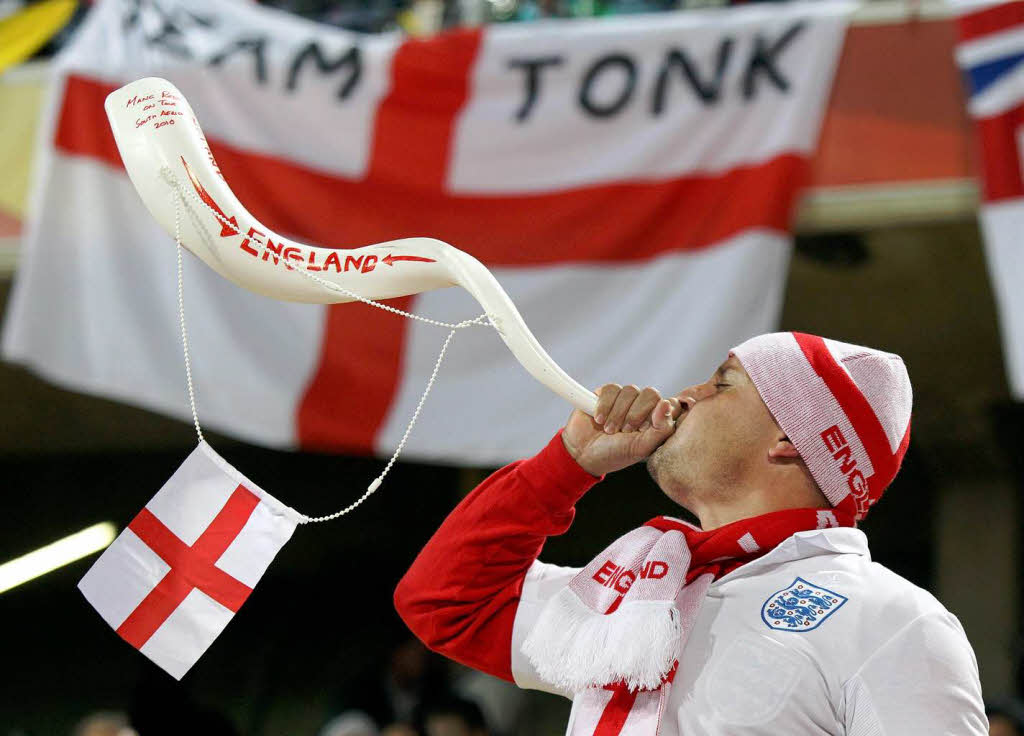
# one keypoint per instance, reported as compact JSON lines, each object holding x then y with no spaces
{"x":380,"y":478}
{"x":181,"y":319}
{"x":483,"y":319}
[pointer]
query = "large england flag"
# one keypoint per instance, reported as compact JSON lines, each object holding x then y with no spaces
{"x":991,"y":54}
{"x":631,"y":182}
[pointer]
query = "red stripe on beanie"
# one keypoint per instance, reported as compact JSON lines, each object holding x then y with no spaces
{"x":857,"y":409}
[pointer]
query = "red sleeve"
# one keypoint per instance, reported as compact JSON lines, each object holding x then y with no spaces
{"x":461,"y":593}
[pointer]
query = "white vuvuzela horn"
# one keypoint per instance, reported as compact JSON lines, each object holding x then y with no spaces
{"x":166,"y":155}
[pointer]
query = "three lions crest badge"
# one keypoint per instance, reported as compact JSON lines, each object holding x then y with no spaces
{"x":802,"y":606}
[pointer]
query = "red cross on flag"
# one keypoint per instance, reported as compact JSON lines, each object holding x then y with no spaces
{"x":629,"y":181}
{"x":173,"y":579}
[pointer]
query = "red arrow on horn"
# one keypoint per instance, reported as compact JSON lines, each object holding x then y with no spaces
{"x":390,"y":259}
{"x":204,"y":195}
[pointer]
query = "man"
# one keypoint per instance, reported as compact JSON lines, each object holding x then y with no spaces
{"x":768,"y":619}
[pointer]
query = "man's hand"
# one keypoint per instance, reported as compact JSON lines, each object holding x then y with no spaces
{"x":629,"y":425}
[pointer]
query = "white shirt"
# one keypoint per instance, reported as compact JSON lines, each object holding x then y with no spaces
{"x":885,"y":659}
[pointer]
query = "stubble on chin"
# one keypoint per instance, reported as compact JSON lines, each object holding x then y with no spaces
{"x":652,"y":469}
{"x":659,"y":467}
{"x":662,"y":475}
{"x":653,"y":464}
{"x":663,"y":465}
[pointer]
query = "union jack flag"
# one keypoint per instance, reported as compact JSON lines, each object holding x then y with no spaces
{"x":991,"y":54}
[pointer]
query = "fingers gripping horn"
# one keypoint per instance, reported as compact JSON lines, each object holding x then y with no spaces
{"x":163,"y":146}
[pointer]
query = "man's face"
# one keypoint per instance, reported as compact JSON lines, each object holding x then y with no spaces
{"x":720,"y":440}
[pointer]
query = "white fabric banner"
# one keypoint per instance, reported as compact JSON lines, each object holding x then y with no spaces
{"x":173,"y":579}
{"x":630,"y":181}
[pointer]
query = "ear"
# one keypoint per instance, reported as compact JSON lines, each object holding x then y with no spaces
{"x":783,"y":448}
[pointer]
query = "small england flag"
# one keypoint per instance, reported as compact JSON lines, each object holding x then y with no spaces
{"x":173,"y":579}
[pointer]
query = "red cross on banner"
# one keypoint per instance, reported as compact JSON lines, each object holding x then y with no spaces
{"x":360,"y":362}
{"x":406,"y":190}
{"x":172,"y":580}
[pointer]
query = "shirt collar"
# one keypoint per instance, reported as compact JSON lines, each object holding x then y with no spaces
{"x":803,"y":545}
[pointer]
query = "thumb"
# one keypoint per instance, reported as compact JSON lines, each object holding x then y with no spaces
{"x":663,"y":416}
{"x":662,"y":425}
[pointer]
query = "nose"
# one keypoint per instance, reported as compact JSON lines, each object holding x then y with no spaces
{"x":692,"y":394}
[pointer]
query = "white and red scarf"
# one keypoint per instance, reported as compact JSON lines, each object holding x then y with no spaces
{"x":614,"y":635}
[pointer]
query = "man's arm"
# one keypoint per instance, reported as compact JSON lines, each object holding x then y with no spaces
{"x":922,"y":682}
{"x":461,"y":594}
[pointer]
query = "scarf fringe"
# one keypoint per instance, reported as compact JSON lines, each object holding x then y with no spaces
{"x":576,"y":648}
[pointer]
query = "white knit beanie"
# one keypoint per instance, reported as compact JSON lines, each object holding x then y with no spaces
{"x":845,"y":408}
